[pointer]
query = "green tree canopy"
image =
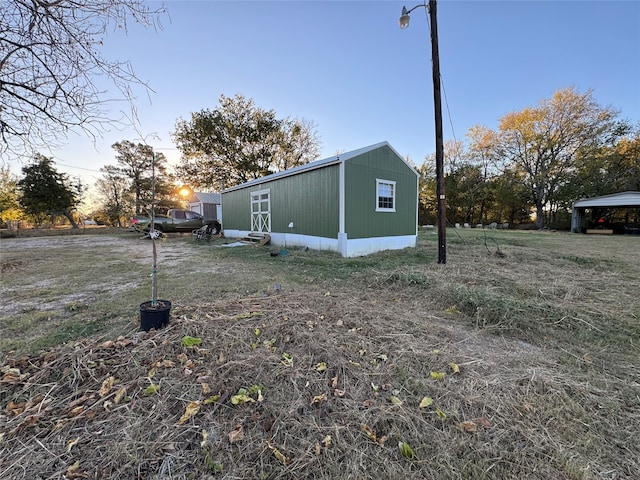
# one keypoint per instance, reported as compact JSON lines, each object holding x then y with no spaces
{"x":46,"y":192}
{"x":238,"y":142}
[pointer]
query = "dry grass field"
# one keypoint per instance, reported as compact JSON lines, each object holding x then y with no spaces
{"x":518,"y":359}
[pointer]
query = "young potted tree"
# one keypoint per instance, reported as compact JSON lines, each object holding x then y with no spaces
{"x":154,"y":313}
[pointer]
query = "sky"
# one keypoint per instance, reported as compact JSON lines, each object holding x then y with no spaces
{"x":347,"y":67}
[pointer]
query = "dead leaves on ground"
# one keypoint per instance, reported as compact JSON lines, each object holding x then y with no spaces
{"x":470,"y":426}
{"x":190,"y":411}
{"x":109,"y":392}
{"x":371,"y":435}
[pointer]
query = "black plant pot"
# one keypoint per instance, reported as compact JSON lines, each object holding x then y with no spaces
{"x":154,"y":316}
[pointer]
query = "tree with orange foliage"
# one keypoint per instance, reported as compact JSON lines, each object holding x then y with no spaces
{"x":548,"y":141}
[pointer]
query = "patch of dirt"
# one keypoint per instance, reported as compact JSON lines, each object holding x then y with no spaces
{"x":132,"y":248}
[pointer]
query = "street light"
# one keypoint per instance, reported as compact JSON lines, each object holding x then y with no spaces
{"x":442,"y":204}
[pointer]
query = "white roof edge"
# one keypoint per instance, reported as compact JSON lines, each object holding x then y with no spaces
{"x":622,"y":199}
{"x":341,"y":157}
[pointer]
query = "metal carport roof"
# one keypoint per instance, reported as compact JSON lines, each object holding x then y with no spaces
{"x":615,"y":200}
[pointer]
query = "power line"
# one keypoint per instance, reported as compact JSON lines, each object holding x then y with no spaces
{"x":79,"y":168}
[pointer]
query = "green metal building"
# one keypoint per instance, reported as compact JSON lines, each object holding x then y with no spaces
{"x":355,"y":203}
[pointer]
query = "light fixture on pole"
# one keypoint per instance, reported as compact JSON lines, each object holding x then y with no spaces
{"x":435,"y":57}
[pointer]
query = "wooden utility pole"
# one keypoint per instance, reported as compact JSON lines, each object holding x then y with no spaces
{"x":437,"y":100}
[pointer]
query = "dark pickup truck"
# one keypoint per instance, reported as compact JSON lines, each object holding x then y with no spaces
{"x":177,"y":220}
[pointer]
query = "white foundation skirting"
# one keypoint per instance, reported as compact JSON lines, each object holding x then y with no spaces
{"x":347,"y":248}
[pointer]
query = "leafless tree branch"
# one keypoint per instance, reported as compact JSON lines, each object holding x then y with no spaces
{"x":50,"y":61}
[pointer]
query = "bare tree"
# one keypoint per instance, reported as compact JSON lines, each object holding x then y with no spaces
{"x":49,"y":64}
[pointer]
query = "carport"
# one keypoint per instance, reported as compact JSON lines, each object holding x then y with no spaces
{"x":630,"y":201}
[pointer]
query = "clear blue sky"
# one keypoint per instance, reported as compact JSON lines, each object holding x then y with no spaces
{"x":347,"y":67}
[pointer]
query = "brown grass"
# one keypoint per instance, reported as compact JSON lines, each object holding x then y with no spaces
{"x":544,"y":333}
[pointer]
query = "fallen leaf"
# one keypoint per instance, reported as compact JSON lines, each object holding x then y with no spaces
{"x":151,"y":389}
{"x":437,"y":375}
{"x":321,"y":367}
{"x":395,"y":400}
{"x":7,"y":370}
{"x":241,"y":398}
{"x":182,"y":357}
{"x":106,"y":387}
{"x":191,"y":410}
{"x":188,"y":341}
{"x":372,"y":436}
{"x":440,"y":413}
{"x":339,"y":392}
{"x":276,"y":453}
{"x":119,"y":395}
{"x":204,"y":443}
{"x":236,"y":434}
{"x":406,"y":450}
{"x":454,"y":367}
{"x":327,"y":441}
{"x":74,"y":471}
{"x":206,"y":389}
{"x":468,"y":426}
{"x":319,"y":399}
{"x":425,"y":402}
{"x":164,"y":364}
{"x":287,"y":360}
{"x":212,"y":399}
{"x":15,"y":408}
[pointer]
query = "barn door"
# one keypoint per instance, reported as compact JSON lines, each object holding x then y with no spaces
{"x":261,"y":211}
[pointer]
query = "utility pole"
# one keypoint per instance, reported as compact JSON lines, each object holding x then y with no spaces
{"x":437,"y":100}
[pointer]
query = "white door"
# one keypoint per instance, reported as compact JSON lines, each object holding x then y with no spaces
{"x":261,"y":211}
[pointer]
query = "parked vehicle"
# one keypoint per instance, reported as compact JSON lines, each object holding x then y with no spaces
{"x":177,"y":220}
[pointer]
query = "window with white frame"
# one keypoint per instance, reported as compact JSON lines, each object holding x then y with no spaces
{"x":385,"y":195}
